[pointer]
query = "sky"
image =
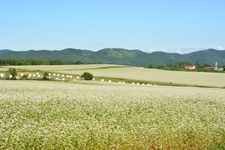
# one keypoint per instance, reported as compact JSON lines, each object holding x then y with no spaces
{"x":149,"y":25}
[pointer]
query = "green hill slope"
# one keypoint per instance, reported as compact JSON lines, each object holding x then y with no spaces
{"x":118,"y":56}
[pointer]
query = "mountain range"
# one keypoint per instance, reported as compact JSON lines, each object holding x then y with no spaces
{"x":118,"y":56}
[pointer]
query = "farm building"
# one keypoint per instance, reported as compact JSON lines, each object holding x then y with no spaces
{"x":190,"y":67}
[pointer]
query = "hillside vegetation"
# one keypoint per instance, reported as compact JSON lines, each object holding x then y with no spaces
{"x":110,"y":56}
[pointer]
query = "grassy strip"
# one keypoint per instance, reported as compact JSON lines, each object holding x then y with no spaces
{"x":153,"y":82}
{"x":108,"y":67}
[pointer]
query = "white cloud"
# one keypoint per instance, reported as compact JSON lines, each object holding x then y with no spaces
{"x":185,"y":50}
{"x":156,"y":50}
{"x":219,"y":47}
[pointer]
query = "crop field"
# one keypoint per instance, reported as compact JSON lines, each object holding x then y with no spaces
{"x":3,"y":69}
{"x":138,"y":73}
{"x":66,"y":67}
{"x":93,"y":115}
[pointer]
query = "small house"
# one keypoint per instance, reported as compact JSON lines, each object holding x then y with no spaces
{"x":191,"y":67}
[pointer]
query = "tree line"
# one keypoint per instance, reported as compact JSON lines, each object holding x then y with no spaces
{"x":6,"y":62}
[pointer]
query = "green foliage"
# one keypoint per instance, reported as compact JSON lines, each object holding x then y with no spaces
{"x":19,"y":62}
{"x":45,"y":76}
{"x":181,"y":67}
{"x":11,"y":74}
{"x":87,"y":76}
{"x":177,"y":66}
{"x":109,"y":56}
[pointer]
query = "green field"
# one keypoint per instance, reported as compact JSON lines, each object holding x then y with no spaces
{"x":138,"y":74}
{"x":60,"y":115}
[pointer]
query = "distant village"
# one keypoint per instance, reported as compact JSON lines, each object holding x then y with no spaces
{"x":215,"y":67}
{"x":191,"y":67}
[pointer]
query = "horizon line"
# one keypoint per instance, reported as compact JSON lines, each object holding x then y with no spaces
{"x":144,"y":51}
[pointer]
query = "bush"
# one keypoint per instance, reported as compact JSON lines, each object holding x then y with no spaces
{"x":11,"y":74}
{"x":87,"y":76}
{"x":45,"y":76}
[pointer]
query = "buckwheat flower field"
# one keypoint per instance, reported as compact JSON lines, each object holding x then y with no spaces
{"x":60,"y":115}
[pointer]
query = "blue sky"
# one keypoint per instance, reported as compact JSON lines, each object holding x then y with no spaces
{"x":149,"y":25}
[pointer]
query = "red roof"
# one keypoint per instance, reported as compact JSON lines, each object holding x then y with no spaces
{"x":190,"y":67}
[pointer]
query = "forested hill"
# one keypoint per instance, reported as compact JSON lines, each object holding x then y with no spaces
{"x":115,"y":56}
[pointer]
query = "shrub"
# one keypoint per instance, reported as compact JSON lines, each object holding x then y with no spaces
{"x":87,"y":76}
{"x":11,"y":74}
{"x":45,"y":76}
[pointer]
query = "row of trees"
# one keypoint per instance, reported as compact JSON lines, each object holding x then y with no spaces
{"x":36,"y":62}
